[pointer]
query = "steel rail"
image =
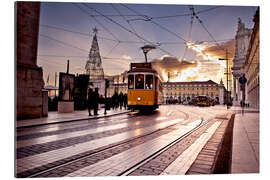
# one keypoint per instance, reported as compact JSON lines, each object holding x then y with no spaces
{"x":159,"y":152}
{"x":104,"y":149}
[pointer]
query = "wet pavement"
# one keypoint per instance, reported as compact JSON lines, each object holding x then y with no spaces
{"x":117,"y":144}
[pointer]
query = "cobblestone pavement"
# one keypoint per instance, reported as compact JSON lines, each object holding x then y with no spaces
{"x":110,"y":145}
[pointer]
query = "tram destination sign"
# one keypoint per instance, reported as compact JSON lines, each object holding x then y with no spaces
{"x":140,"y":65}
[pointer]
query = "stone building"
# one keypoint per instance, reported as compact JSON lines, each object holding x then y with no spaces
{"x":31,"y":101}
{"x":184,"y":91}
{"x":117,"y":83}
{"x":242,"y":39}
{"x":94,"y":67}
{"x":252,"y":65}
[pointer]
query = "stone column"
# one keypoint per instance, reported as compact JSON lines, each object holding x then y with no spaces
{"x":221,"y":95}
{"x":29,"y":77}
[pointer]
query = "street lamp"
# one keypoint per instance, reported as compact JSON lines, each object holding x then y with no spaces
{"x":227,"y":74}
{"x":146,"y":49}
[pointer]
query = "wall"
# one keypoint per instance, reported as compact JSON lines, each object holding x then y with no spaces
{"x":29,"y":81}
{"x":252,"y":66}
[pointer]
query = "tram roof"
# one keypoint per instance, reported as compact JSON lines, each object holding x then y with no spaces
{"x":143,"y":70}
{"x":141,"y":67}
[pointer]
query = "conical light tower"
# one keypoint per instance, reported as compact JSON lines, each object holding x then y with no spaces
{"x":93,"y":66}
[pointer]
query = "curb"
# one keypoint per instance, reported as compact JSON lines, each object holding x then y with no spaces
{"x":215,"y":157}
{"x":70,"y":120}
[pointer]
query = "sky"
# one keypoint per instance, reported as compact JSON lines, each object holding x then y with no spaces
{"x":66,"y":32}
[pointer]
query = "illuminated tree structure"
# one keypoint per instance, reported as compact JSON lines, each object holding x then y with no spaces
{"x":93,"y":65}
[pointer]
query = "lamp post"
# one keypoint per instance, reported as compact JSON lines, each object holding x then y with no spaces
{"x":227,"y":73}
{"x":146,"y":49}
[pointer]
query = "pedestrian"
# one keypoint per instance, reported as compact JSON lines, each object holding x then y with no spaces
{"x":115,"y":100}
{"x":90,"y":101}
{"x":125,"y":101}
{"x":121,"y":99}
{"x":96,"y":101}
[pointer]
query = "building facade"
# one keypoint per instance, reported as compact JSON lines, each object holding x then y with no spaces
{"x":252,"y":65}
{"x":185,"y":91}
{"x":242,"y":39}
{"x":117,"y":84}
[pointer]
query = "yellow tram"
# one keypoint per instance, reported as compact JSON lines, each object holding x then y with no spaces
{"x":203,"y":101}
{"x":144,"y":87}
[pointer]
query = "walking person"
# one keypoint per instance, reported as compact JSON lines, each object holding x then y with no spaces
{"x":121,"y":99}
{"x":90,"y":101}
{"x":125,"y":101}
{"x":96,"y":101}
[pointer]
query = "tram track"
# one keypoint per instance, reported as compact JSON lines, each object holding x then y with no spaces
{"x":86,"y":155}
{"x":67,"y":140}
{"x":77,"y":127}
{"x":71,"y":121}
{"x":168,"y":146}
{"x":79,"y":158}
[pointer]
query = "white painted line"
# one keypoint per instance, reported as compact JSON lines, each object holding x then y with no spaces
{"x":185,"y":160}
{"x":125,"y":160}
{"x":57,"y":137}
{"x":55,"y":155}
{"x":161,"y":118}
{"x":169,"y":113}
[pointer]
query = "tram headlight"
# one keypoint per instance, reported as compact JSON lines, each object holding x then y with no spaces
{"x":139,"y":98}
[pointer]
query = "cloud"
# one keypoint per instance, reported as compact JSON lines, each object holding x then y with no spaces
{"x":175,"y":68}
{"x":218,"y":51}
{"x":206,"y":66}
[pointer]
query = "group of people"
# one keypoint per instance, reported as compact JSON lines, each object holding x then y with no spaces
{"x":116,"y":101}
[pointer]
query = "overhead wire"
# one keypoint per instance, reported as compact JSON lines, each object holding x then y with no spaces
{"x":118,"y":11}
{"x":189,"y":33}
{"x":117,"y":43}
{"x":65,"y":56}
{"x":147,"y":18}
{"x":75,"y":32}
{"x":128,"y":30}
{"x":103,"y":26}
{"x":204,"y":27}
{"x":186,"y":14}
{"x":61,"y":42}
{"x":209,"y":9}
{"x":112,"y":39}
{"x":121,"y":41}
{"x":125,"y":19}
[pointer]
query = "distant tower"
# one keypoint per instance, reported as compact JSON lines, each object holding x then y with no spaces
{"x":93,"y":66}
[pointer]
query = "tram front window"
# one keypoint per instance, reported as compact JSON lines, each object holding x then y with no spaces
{"x":139,"y":81}
{"x":131,"y":82}
{"x":149,"y":82}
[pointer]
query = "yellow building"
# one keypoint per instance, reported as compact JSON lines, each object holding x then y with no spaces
{"x":186,"y":91}
{"x":117,"y":84}
{"x":117,"y":88}
{"x":252,"y":65}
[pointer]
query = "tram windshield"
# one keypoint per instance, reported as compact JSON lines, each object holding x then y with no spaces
{"x":149,"y":81}
{"x":139,"y":81}
{"x":131,"y":81}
